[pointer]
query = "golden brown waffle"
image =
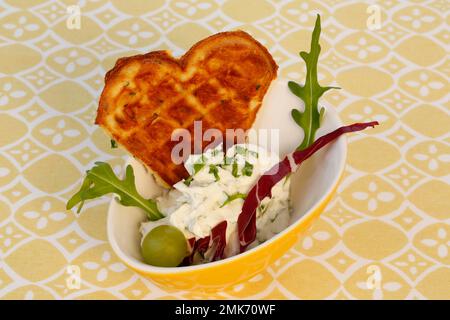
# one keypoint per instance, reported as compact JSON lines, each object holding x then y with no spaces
{"x":221,"y":81}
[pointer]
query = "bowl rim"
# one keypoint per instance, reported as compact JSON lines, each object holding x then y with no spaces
{"x":149,"y":269}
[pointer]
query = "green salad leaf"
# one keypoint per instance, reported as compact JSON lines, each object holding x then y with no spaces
{"x":101,"y":180}
{"x":309,"y":120}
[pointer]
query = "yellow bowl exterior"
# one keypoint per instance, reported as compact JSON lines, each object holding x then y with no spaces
{"x":232,"y":271}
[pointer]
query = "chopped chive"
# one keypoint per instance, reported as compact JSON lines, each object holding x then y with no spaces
{"x":228,"y":161}
{"x":234,"y":170}
{"x":113,"y":144}
{"x":233,"y":197}
{"x":188,"y":180}
{"x":244,"y":151}
{"x":263,"y":209}
{"x":248,"y":169}
{"x":213,"y":169}
{"x":197,"y":167}
{"x":215,"y":152}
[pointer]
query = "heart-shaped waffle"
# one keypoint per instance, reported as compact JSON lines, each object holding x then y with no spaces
{"x":221,"y":81}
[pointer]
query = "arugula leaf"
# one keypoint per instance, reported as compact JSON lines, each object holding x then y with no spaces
{"x":233,"y":197}
{"x":113,"y":144}
{"x":78,"y":197}
{"x":213,"y":169}
{"x":310,"y":119}
{"x":101,"y":180}
{"x":248,"y":169}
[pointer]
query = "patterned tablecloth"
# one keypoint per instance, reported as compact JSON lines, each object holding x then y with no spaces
{"x":391,"y":214}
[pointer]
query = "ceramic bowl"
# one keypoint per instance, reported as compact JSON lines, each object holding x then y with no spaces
{"x":312,"y":187}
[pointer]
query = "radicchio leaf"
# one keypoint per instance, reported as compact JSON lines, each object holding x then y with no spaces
{"x":247,"y":218}
{"x":213,"y":244}
{"x":219,"y":240}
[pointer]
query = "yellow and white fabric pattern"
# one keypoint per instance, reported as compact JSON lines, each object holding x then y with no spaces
{"x":389,"y":221}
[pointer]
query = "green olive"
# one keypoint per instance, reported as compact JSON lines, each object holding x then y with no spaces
{"x":164,"y":246}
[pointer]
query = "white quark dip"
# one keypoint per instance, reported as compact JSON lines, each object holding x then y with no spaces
{"x":198,"y":204}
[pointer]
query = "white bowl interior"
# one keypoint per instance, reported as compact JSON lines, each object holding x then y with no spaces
{"x":313,"y":181}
